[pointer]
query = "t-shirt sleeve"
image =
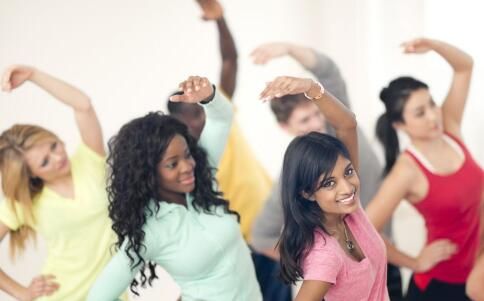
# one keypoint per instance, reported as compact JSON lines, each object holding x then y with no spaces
{"x":11,"y":219}
{"x":322,"y":263}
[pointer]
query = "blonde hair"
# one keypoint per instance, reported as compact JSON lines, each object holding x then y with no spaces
{"x":18,"y":184}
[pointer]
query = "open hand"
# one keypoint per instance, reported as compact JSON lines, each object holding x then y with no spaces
{"x":14,"y":76}
{"x":212,"y":10}
{"x":195,"y":89}
{"x":266,"y":52}
{"x":420,"y":45}
{"x":286,"y":85}
{"x":435,"y":252}
{"x":42,"y":285}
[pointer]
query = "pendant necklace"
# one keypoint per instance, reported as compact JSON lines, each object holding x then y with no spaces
{"x":349,"y":244}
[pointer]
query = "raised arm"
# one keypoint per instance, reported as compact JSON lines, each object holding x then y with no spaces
{"x":461,"y":64}
{"x":320,"y":65}
{"x":86,"y":118}
{"x":213,"y":11}
{"x":342,"y":119}
{"x":393,"y":190}
{"x":218,"y":110}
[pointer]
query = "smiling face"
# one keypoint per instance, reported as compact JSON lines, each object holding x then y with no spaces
{"x":176,"y":168}
{"x":48,"y":160}
{"x":338,"y":193}
{"x":422,"y":119}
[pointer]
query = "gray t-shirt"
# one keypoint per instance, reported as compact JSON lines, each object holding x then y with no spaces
{"x":267,"y":227}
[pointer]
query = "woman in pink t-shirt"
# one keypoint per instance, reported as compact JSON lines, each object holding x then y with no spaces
{"x":327,"y":239}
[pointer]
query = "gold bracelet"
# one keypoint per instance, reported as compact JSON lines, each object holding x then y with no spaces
{"x":321,"y":92}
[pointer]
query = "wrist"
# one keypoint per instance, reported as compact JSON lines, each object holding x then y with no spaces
{"x":315,"y":91}
{"x":210,"y":97}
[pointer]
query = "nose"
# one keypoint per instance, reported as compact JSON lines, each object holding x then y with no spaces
{"x":346,"y":188}
{"x":187,"y":165}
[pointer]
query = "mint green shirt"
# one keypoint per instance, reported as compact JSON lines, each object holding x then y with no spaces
{"x":204,"y":253}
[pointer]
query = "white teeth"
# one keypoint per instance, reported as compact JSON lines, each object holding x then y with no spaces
{"x":347,"y":200}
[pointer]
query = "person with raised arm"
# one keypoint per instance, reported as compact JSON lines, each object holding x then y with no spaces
{"x":59,"y":197}
{"x":436,"y":174}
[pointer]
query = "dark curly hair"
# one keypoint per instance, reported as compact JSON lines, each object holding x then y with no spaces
{"x":133,"y":182}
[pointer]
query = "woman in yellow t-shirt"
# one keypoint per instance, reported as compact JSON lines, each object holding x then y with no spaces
{"x":60,"y":198}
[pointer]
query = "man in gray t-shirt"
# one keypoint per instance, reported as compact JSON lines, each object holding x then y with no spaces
{"x":298,"y":116}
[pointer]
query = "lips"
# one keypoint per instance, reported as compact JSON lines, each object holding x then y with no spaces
{"x":347,"y":200}
{"x":188,"y":180}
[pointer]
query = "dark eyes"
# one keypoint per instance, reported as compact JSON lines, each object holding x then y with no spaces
{"x":329,"y":183}
{"x":174,"y":164}
{"x":350,"y":171}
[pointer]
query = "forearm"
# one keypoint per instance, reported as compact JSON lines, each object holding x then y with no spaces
{"x":10,"y":286}
{"x":228,"y":52}
{"x":459,"y":60}
{"x":219,"y":115}
{"x":399,"y":258}
{"x":340,"y":117}
{"x":303,"y":55}
{"x":61,"y":90}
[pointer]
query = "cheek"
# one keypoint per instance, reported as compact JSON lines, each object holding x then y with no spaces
{"x":167,"y":177}
{"x":325,"y":198}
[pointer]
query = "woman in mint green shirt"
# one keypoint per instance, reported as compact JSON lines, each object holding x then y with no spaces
{"x":166,"y":210}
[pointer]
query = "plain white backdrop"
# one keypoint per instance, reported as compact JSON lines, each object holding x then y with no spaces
{"x":129,"y":55}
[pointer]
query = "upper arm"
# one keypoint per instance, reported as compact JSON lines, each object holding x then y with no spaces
{"x":217,"y":127}
{"x":90,"y":129}
{"x":394,"y":188}
{"x":454,"y":103}
{"x":313,"y":290}
{"x":228,"y":78}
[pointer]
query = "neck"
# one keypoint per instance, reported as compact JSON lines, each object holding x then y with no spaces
{"x":428,"y":145}
{"x":173,"y":197}
{"x":63,"y":181}
{"x":333,"y":221}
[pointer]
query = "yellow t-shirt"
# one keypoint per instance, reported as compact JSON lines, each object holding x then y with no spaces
{"x":77,"y":231}
{"x":243,"y":180}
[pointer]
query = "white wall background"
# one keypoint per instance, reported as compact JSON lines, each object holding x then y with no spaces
{"x":128,"y":55}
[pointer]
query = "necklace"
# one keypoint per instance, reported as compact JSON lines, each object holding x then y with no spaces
{"x":349,"y":244}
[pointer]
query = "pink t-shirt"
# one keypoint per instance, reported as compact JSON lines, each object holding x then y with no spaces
{"x":365,"y":280}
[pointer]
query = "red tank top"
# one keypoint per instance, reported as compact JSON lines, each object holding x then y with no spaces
{"x":451,"y":210}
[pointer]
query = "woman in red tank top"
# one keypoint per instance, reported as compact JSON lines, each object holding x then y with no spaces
{"x":436,"y":174}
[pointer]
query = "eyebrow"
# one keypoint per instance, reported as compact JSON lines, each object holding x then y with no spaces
{"x":175,"y":156}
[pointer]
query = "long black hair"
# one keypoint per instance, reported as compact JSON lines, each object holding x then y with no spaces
{"x":306,"y":159}
{"x":394,"y":97}
{"x":133,"y":182}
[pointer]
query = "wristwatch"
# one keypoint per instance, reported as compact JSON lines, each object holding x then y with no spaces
{"x":321,"y":92}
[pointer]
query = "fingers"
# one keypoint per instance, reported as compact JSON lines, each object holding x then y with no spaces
{"x":43,"y":285}
{"x":195,"y":88}
{"x":263,"y":54}
{"x":443,"y":250}
{"x":6,"y":84}
{"x":281,"y":86}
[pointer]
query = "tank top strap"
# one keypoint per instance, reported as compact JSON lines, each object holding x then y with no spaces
{"x":459,"y":142}
{"x":415,"y":158}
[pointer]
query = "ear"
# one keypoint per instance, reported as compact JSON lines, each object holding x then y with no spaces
{"x":308,"y":196}
{"x":287,"y":128}
{"x":398,"y":125}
